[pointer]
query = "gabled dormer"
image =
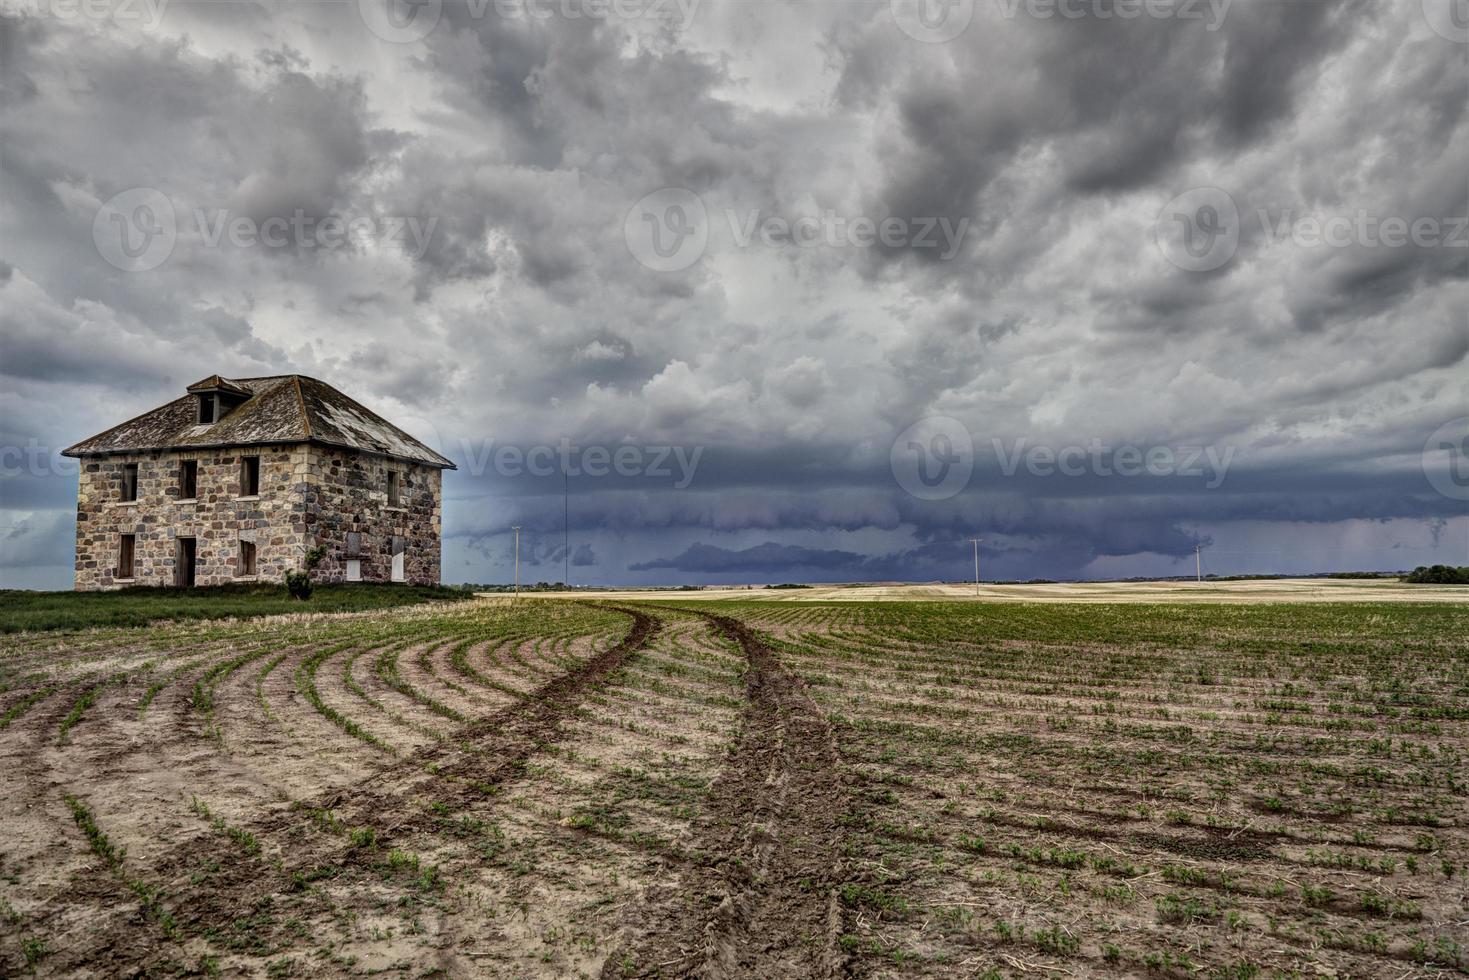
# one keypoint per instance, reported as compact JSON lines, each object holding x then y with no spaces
{"x":217,"y":397}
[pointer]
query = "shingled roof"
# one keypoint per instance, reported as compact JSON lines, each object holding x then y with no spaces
{"x":287,"y":408}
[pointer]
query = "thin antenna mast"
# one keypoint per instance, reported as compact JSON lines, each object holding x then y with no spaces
{"x":976,"y":565}
{"x":516,"y":529}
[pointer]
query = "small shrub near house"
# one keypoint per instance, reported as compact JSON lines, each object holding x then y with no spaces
{"x":298,"y":582}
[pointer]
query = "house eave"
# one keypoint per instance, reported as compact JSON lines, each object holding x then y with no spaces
{"x":76,"y":453}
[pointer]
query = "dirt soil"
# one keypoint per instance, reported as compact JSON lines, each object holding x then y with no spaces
{"x":760,"y":899}
{"x":544,"y":789}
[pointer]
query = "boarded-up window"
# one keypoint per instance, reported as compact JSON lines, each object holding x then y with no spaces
{"x":125,"y":556}
{"x":249,"y":476}
{"x":395,"y":488}
{"x":397,"y":573}
{"x":129,"y":481}
{"x":247,"y":558}
{"x":188,"y":479}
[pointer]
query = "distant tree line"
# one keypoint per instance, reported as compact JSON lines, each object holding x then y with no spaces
{"x":1439,"y":575}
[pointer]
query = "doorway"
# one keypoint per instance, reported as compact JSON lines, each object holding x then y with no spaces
{"x":183,"y":562}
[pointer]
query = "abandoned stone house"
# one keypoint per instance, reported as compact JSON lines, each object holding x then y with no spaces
{"x":237,"y":479}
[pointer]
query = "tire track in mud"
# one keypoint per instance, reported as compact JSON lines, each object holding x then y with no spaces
{"x":515,"y":732}
{"x":762,"y":902}
{"x":472,"y":763}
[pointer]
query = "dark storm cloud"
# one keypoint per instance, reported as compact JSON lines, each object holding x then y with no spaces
{"x":768,"y":557}
{"x":524,"y":317}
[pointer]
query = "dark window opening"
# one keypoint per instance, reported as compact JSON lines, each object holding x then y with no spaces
{"x":188,"y":479}
{"x":129,"y":481}
{"x":125,"y":556}
{"x":208,"y":409}
{"x":247,"y":558}
{"x":249,"y":476}
{"x":395,"y":488}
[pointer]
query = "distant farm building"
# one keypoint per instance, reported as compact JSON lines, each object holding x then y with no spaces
{"x":237,"y":479}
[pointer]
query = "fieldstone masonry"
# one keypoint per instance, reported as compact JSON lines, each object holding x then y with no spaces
{"x":218,"y":518}
{"x":347,"y":492}
{"x":326,"y":482}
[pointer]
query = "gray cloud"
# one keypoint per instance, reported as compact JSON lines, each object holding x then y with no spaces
{"x":524,"y":317}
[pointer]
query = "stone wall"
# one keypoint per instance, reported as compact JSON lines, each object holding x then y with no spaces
{"x":348,"y":493}
{"x":308,"y":495}
{"x":218,"y":518}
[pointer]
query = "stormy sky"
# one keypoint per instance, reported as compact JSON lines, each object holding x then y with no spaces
{"x":771,"y":291}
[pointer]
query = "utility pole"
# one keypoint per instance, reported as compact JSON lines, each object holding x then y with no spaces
{"x":565,"y":530}
{"x":1198,"y":564}
{"x":516,"y":529}
{"x":976,"y":565}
